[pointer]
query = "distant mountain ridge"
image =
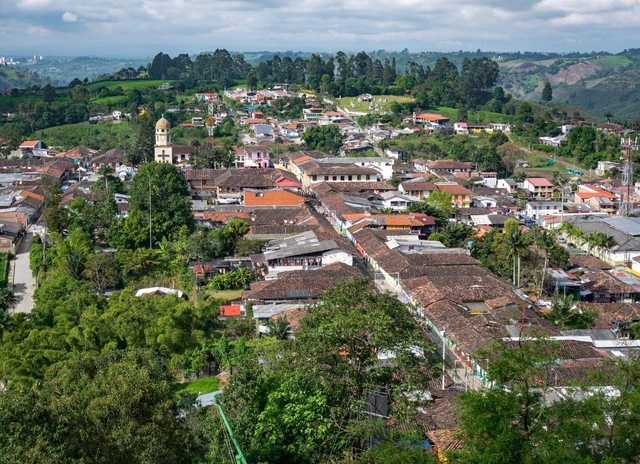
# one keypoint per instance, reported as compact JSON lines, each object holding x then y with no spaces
{"x":598,"y":82}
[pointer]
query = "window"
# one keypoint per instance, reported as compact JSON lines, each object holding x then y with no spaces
{"x":315,"y":178}
{"x":335,"y":178}
{"x":341,"y":177}
{"x":368,"y":177}
{"x":350,"y":177}
{"x":358,"y":176}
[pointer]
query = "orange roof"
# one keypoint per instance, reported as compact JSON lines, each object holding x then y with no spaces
{"x":27,"y":193}
{"x":589,"y":191}
{"x":432,"y":117}
{"x":302,"y":159}
{"x":412,"y":219}
{"x":29,"y":144}
{"x":231,"y":310}
{"x":255,"y":121}
{"x":276,"y":197}
{"x":355,"y":216}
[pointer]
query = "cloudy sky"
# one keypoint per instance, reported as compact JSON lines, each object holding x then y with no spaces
{"x":141,"y":28}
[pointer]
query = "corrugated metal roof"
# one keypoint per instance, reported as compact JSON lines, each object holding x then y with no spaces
{"x":627,"y":225}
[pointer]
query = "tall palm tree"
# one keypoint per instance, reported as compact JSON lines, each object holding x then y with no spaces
{"x":517,"y":244}
{"x":592,"y":240}
{"x":604,"y":242}
{"x":546,"y":241}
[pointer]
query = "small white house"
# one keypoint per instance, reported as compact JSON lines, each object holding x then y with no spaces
{"x":507,"y":184}
{"x":395,"y":201}
{"x":535,"y":209}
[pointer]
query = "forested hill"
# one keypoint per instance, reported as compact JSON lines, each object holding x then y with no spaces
{"x":598,"y":82}
{"x":11,"y":77}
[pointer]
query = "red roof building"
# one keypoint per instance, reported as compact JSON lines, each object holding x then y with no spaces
{"x":231,"y":310}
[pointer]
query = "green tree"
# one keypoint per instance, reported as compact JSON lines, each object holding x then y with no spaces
{"x":117,"y":407}
{"x":453,"y":234}
{"x":102,"y":270}
{"x":441,"y":201}
{"x":566,"y":315}
{"x":498,"y":138}
{"x":547,"y":92}
{"x":159,"y":190}
{"x":517,"y":243}
{"x":279,"y":328}
{"x":145,"y":130}
{"x":323,"y":138}
{"x":524,"y":113}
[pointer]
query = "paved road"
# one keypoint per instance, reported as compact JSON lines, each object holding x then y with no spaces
{"x":23,"y":281}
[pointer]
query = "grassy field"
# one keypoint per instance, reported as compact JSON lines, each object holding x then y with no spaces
{"x":382,"y":103}
{"x":199,"y":386}
{"x":110,"y":100}
{"x":481,"y":116}
{"x":611,"y":62}
{"x":126,"y":85}
{"x":104,"y":135}
{"x":226,"y":295}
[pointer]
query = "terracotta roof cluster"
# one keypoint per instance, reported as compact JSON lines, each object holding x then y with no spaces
{"x":609,"y":314}
{"x":353,"y":187}
{"x":374,"y":246}
{"x":473,"y":305}
{"x":301,"y":285}
{"x":251,"y":178}
{"x":597,"y":281}
{"x":311,"y":167}
{"x":588,"y":262}
{"x":405,"y":221}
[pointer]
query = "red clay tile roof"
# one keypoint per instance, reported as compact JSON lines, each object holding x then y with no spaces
{"x":454,"y":189}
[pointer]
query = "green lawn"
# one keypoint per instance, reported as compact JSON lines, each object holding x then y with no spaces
{"x":611,"y":62}
{"x":199,"y":386}
{"x":226,"y":295}
{"x":383,"y":103}
{"x":110,"y":100}
{"x":105,"y":135}
{"x":126,"y":85}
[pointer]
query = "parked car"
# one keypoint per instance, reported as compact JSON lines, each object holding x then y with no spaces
{"x":571,"y":245}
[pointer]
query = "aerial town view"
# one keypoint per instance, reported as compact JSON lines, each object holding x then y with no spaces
{"x":403,"y":237}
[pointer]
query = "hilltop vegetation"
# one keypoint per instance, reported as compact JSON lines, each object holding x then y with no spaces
{"x":11,"y":78}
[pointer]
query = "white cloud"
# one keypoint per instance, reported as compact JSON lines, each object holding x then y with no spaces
{"x":38,"y":31}
{"x":173,"y":26}
{"x":69,"y":17}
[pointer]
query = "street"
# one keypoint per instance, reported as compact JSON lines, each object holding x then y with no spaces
{"x":24,"y":284}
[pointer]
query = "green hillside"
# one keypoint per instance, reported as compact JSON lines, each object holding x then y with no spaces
{"x":18,"y":78}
